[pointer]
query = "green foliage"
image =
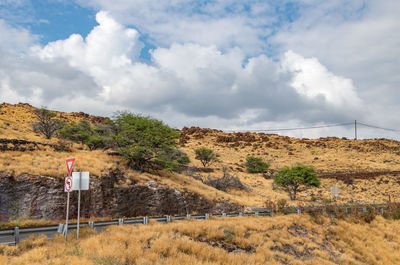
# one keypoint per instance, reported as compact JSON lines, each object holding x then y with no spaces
{"x":206,"y":156}
{"x":144,"y":140}
{"x":46,"y":123}
{"x":256,"y":165}
{"x":297,"y":178}
{"x":95,"y":137}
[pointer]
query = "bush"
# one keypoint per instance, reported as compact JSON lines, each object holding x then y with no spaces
{"x":206,"y":156}
{"x":225,"y":183}
{"x":281,"y":203}
{"x":256,"y":165}
{"x":296,"y":179}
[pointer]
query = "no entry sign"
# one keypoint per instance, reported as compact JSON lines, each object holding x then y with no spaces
{"x":68,"y":184}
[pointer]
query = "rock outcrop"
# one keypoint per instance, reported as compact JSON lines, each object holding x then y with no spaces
{"x":38,"y":197}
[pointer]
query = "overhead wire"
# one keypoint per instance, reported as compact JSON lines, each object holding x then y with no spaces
{"x":297,"y":128}
{"x":377,"y":127}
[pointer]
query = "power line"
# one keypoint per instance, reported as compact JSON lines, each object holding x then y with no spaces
{"x":377,"y":127}
{"x":299,"y":128}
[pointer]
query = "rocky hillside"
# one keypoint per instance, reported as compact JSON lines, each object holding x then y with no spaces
{"x":32,"y":170}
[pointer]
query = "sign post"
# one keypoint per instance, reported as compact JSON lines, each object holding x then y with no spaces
{"x":80,"y":182}
{"x":68,"y":188}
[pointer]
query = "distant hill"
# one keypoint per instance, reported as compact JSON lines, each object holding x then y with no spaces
{"x":364,"y":170}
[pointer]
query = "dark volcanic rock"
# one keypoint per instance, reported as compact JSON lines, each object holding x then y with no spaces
{"x":37,"y":197}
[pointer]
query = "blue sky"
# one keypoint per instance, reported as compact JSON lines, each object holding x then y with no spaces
{"x":223,"y":64}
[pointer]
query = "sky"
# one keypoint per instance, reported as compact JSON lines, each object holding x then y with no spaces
{"x":223,"y":64}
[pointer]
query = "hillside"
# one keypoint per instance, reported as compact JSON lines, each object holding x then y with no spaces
{"x":364,"y":170}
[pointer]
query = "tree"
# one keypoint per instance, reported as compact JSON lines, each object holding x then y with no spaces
{"x":143,"y":140}
{"x":46,"y":123}
{"x":296,"y":179}
{"x":256,"y":165}
{"x":206,"y":156}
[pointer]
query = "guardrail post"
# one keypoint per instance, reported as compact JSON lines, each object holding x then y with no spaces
{"x":223,"y":214}
{"x":207,"y":216}
{"x":240,"y":214}
{"x":168,"y":218}
{"x":145,"y":220}
{"x":272,"y":212}
{"x":298,"y":210}
{"x":188,"y":216}
{"x":120,"y":221}
{"x":16,"y":235}
{"x":381,"y":211}
{"x":364,"y":209}
{"x":91,"y":224}
{"x":60,"y":228}
{"x":256,"y":213}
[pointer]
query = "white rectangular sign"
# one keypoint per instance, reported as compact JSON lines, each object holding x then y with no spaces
{"x":334,"y":191}
{"x":84,"y":181}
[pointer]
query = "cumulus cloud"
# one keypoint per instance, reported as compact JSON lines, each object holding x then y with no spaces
{"x":183,"y":84}
{"x":313,"y":80}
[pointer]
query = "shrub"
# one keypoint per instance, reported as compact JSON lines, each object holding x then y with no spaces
{"x":206,"y":156}
{"x":225,"y":183}
{"x":297,"y":178}
{"x":281,"y":203}
{"x":256,"y":165}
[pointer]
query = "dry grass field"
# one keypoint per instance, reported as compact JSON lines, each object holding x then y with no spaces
{"x":291,"y":239}
{"x":327,"y":155}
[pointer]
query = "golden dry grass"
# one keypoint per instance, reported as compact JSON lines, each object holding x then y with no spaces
{"x":293,"y":239}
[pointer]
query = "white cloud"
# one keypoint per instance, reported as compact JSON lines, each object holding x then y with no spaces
{"x":313,"y":80}
{"x":184,"y":84}
{"x":14,"y":40}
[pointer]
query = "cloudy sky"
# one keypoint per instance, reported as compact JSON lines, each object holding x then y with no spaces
{"x":221,"y":64}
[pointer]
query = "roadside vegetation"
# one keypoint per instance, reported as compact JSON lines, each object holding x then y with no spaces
{"x":290,"y":239}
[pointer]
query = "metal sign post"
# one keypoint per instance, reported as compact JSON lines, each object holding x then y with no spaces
{"x":79,"y":205}
{"x":80,"y":182}
{"x":68,"y":188}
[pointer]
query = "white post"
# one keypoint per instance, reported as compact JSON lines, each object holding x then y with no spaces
{"x":79,"y":205}
{"x":66,"y":218}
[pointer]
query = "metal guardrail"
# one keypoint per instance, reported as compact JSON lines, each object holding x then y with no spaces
{"x":16,"y":232}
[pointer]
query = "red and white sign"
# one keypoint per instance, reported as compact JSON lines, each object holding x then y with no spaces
{"x":68,"y":184}
{"x":70,"y":164}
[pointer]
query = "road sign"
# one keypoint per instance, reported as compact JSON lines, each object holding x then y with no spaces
{"x":68,"y":184}
{"x":70,"y":164}
{"x":334,"y":191}
{"x":83,"y":182}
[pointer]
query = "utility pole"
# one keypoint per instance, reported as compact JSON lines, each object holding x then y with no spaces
{"x":355,"y":129}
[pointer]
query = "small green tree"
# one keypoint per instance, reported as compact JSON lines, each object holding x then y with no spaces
{"x":46,"y":123}
{"x":256,"y":165}
{"x":296,"y":179}
{"x":206,"y":156}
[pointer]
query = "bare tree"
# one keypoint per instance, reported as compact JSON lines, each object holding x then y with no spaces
{"x":46,"y":123}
